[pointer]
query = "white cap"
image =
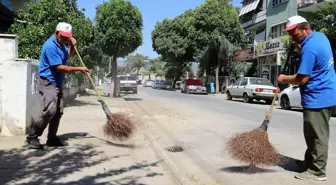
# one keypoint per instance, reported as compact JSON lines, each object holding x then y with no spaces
{"x":293,"y":21}
{"x":65,"y":29}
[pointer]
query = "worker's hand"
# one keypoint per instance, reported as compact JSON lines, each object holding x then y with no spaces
{"x":72,"y":41}
{"x":281,"y":79}
{"x":84,"y":70}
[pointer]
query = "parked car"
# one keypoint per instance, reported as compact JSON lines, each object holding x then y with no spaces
{"x":291,"y":97}
{"x":128,"y":83}
{"x":194,"y":86}
{"x":159,"y":84}
{"x":252,"y":88}
{"x":148,"y":83}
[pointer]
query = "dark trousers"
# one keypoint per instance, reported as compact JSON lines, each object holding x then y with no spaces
{"x":51,"y":110}
{"x":316,"y":133}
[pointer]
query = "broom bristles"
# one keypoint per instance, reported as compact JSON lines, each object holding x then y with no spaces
{"x":254,"y":148}
{"x":119,"y":126}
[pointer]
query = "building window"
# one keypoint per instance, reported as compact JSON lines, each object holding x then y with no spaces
{"x":276,"y":2}
{"x":278,"y":30}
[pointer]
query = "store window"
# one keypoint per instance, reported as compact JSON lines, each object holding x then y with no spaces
{"x":278,"y":30}
{"x":276,"y":2}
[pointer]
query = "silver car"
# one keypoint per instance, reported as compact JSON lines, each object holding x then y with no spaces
{"x":250,"y":88}
{"x":159,"y":84}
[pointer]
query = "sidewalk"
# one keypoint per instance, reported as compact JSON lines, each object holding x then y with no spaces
{"x":89,"y":159}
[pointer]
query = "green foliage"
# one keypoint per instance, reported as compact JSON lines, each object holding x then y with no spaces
{"x":119,"y":27}
{"x":136,"y":62}
{"x":41,"y":23}
{"x":215,"y":18}
{"x":324,"y":18}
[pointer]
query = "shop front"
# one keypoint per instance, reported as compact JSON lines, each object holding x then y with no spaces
{"x":271,"y":57}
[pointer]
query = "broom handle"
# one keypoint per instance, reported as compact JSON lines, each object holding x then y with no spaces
{"x":268,"y":117}
{"x":80,"y":58}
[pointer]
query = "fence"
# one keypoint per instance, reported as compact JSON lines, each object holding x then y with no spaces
{"x":19,"y":100}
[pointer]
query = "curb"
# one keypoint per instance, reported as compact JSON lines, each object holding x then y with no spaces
{"x":176,"y":172}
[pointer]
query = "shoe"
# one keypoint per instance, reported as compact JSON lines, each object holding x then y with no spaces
{"x":34,"y":143}
{"x":308,"y":176}
{"x":56,"y":142}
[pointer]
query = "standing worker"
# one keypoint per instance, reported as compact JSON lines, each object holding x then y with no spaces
{"x":317,"y":81}
{"x":52,"y":70}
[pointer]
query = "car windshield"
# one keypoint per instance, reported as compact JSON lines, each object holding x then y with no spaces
{"x":124,"y":78}
{"x":260,"y":81}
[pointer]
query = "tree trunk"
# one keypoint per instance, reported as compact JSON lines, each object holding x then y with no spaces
{"x":113,"y":89}
{"x":217,"y":80}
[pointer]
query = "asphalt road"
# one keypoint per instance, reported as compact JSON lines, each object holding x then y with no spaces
{"x":226,"y":117}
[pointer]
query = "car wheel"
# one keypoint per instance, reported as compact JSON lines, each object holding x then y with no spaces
{"x":284,"y":102}
{"x":228,"y":95}
{"x":247,"y":99}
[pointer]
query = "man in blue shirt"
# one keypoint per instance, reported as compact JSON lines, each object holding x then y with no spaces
{"x":52,"y":70}
{"x":317,"y":81}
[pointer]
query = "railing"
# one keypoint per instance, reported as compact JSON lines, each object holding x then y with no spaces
{"x":256,"y":18}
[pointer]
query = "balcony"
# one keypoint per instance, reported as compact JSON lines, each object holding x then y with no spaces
{"x":256,"y":18}
{"x":309,"y":5}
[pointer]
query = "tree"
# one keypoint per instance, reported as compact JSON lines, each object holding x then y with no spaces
{"x":136,"y":62}
{"x":214,"y":21}
{"x":172,"y":39}
{"x":41,"y":21}
{"x":323,"y":20}
{"x":119,"y":26}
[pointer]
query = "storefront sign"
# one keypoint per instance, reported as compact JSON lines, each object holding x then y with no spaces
{"x":271,"y":46}
{"x":243,"y":55}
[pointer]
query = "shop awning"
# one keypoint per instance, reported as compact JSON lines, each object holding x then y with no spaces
{"x":252,"y":5}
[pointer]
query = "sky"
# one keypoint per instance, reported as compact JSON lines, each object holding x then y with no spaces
{"x":152,"y":12}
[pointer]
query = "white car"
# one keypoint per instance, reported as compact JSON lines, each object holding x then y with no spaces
{"x":250,"y":88}
{"x":128,"y":83}
{"x":291,"y":97}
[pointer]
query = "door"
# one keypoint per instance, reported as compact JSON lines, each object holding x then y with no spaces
{"x":242,"y":87}
{"x":295,"y":99}
{"x":235,"y":86}
{"x":274,"y":74}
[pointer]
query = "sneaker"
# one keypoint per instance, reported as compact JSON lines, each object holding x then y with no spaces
{"x":308,"y":176}
{"x":34,"y":143}
{"x":56,"y":142}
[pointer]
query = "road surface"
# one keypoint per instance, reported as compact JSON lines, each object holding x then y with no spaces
{"x":203,"y":123}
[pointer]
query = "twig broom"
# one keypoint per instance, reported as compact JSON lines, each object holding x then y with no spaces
{"x":253,"y":147}
{"x":119,"y":125}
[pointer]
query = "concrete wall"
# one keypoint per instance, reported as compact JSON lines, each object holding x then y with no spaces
{"x":279,"y":13}
{"x":19,"y":98}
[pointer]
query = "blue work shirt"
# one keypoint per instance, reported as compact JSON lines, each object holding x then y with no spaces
{"x":52,"y":55}
{"x":316,"y":60}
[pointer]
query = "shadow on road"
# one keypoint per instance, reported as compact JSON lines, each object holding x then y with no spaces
{"x":292,"y":109}
{"x":85,"y":135}
{"x":79,"y":103}
{"x":54,"y":166}
{"x":254,"y":102}
{"x":132,"y":99}
{"x":288,"y":164}
{"x":246,"y":170}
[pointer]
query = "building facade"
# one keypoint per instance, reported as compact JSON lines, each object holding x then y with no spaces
{"x":7,"y":12}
